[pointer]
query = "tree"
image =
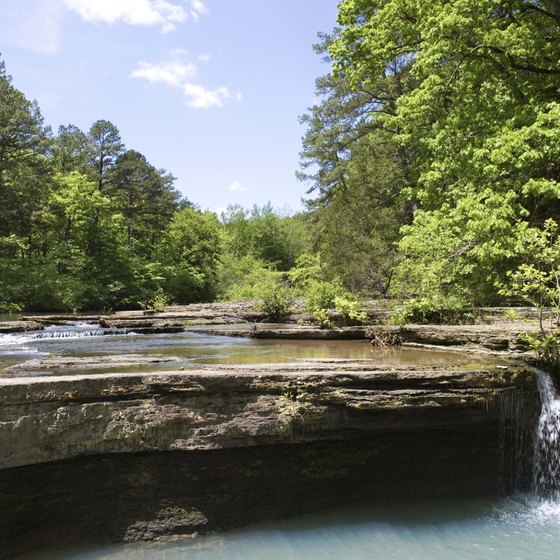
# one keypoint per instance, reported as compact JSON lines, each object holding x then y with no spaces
{"x":189,"y":253}
{"x":70,"y":149}
{"x":480,"y":120}
{"x":358,"y":175}
{"x":145,"y":196}
{"x":23,"y":165}
{"x":104,"y":147}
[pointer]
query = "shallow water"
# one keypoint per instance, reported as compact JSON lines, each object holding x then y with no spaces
{"x":439,"y":530}
{"x":194,"y":349}
{"x":508,"y":529}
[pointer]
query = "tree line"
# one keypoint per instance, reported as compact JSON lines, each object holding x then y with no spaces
{"x":431,"y":161}
{"x":86,"y":223}
{"x":434,"y":152}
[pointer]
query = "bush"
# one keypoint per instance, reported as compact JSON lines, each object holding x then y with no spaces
{"x":275,"y":298}
{"x":324,"y":298}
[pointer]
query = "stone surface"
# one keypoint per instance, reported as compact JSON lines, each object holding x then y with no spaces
{"x":7,"y":327}
{"x":125,"y":457}
{"x":37,"y":366}
{"x":63,"y":417}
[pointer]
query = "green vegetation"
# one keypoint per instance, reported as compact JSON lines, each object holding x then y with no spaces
{"x":432,"y":166}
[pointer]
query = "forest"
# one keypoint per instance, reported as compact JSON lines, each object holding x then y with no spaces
{"x":431,"y":166}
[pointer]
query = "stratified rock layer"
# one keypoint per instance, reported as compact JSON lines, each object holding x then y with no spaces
{"x":135,"y":456}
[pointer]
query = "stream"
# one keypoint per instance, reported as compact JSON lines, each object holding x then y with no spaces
{"x":520,"y":527}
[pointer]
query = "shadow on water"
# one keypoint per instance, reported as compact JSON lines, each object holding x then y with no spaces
{"x":515,"y":528}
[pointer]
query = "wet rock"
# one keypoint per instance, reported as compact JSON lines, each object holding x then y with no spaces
{"x":20,"y":326}
{"x":62,"y":417}
{"x":296,"y":332}
{"x":497,"y":337}
{"x":47,"y":365}
{"x":113,"y":457}
{"x":61,"y":319}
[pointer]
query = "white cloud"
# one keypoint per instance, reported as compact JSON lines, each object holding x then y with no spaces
{"x":237,"y":186}
{"x":160,"y":13}
{"x":204,"y":57}
{"x":199,"y":97}
{"x":172,"y":73}
{"x":36,"y":25}
{"x":179,"y":74}
{"x":197,"y":9}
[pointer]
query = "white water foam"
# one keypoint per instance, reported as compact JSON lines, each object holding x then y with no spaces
{"x":546,"y":472}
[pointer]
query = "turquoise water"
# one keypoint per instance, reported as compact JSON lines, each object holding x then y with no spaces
{"x":508,"y":529}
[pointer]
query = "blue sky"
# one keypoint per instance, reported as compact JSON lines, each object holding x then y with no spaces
{"x":210,"y":90}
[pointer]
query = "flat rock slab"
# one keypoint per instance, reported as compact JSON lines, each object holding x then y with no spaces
{"x":36,"y":366}
{"x":293,"y":333}
{"x":7,"y":327}
{"x":59,"y":417}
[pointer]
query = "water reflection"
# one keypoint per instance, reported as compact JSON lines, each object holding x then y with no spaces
{"x":194,"y":349}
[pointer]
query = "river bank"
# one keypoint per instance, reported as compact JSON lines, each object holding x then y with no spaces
{"x":195,"y":447}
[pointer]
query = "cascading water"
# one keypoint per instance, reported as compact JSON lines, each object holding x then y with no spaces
{"x":546,"y":475}
{"x":70,"y":334}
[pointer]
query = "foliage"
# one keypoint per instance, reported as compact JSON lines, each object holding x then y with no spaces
{"x":262,"y":233}
{"x":356,"y":174}
{"x":275,"y":297}
{"x":323,"y":298}
{"x":188,"y":252}
{"x":537,"y":281}
{"x":158,"y":302}
{"x":469,"y":91}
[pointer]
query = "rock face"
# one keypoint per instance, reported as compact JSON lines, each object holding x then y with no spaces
{"x":135,"y":456}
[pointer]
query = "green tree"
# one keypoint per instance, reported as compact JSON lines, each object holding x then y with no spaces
{"x":104,"y":146}
{"x":24,"y":168}
{"x":189,"y":253}
{"x":479,"y":117}
{"x":146,"y":197}
{"x":70,"y":149}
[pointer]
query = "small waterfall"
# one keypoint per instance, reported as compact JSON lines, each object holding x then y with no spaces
{"x":68,"y":334}
{"x":546,"y":473}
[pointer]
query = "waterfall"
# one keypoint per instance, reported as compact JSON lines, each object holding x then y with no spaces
{"x":69,"y":334}
{"x":546,"y":470}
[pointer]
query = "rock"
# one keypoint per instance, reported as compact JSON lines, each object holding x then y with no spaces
{"x":64,"y":417}
{"x":60,"y":319}
{"x":296,"y":332}
{"x":47,"y":365}
{"x":130,"y":457}
{"x":501,"y":337}
{"x":20,"y":326}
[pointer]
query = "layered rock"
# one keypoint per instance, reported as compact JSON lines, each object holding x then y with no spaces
{"x":136,"y":456}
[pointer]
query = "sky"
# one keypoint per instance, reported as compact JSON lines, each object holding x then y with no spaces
{"x":210,"y":90}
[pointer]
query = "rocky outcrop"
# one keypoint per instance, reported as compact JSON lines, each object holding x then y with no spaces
{"x":142,"y":456}
{"x":64,"y":417}
{"x":39,"y":366}
{"x":292,"y":332}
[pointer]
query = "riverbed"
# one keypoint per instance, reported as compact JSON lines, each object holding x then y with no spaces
{"x":516,"y":527}
{"x":192,"y":349}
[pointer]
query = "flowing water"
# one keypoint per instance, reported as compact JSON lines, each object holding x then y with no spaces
{"x":522,"y":527}
{"x":192,"y":349}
